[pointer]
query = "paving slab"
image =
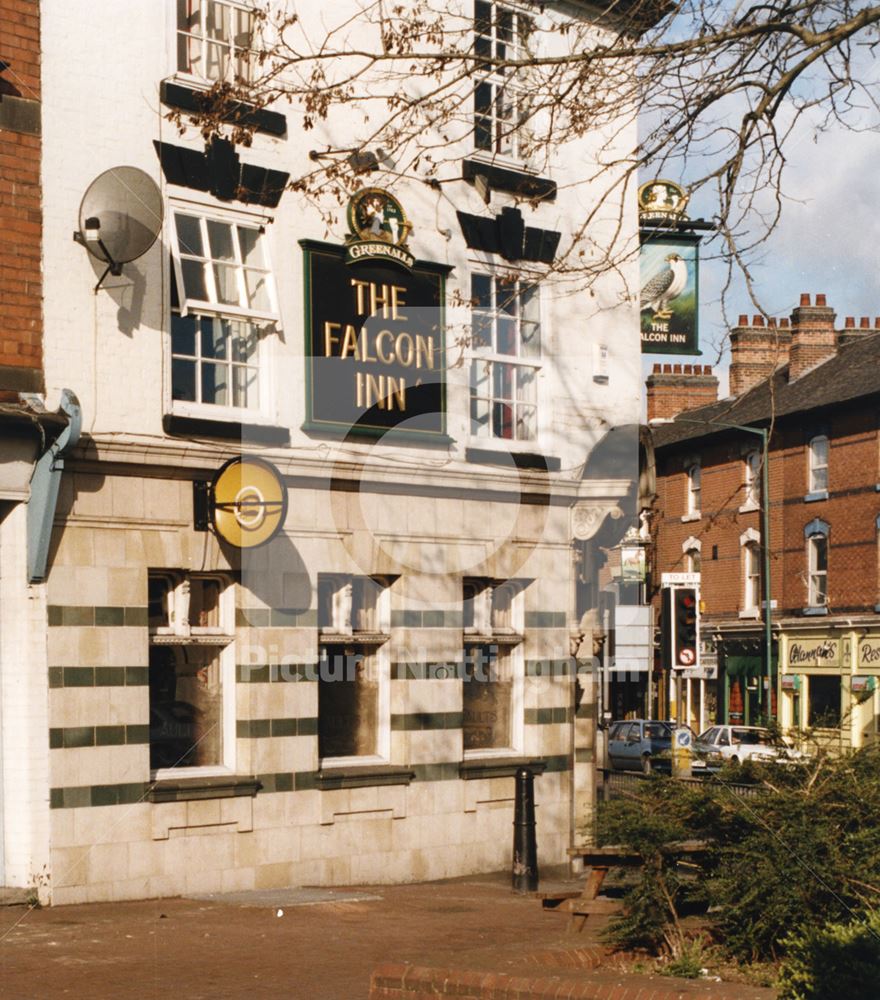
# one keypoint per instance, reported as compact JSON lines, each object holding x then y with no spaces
{"x":205,"y":949}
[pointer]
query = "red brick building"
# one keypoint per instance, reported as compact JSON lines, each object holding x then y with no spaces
{"x":21,"y":328}
{"x":20,"y":216}
{"x":816,"y":389}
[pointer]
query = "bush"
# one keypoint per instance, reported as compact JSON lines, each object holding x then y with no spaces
{"x":689,"y":960}
{"x":833,"y":961}
{"x":804,"y":844}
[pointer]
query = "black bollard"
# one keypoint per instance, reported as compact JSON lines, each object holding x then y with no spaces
{"x":525,"y":845}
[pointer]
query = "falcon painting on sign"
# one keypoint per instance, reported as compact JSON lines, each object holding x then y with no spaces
{"x":669,"y":295}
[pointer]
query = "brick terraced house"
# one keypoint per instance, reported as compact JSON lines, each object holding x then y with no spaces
{"x":815,"y":385}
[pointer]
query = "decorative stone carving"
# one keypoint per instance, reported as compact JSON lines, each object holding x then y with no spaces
{"x":586,"y":519}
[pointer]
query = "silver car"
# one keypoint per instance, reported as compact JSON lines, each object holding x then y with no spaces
{"x":740,"y":743}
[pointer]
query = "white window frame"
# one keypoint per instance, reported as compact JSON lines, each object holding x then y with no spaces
{"x":498,"y":78}
{"x":489,"y":356}
{"x":263,"y":412}
{"x":751,"y":576}
{"x":814,"y":466}
{"x":694,"y":475}
{"x":515,"y":654}
{"x":752,"y":480}
{"x":342,"y":632}
{"x":180,"y":632}
{"x":202,"y":79}
{"x":690,"y":548}
{"x":814,"y":575}
{"x":212,"y":304}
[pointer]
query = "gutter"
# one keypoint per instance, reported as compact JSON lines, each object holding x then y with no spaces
{"x":45,"y":484}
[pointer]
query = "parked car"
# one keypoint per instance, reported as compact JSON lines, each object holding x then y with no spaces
{"x":720,"y":744}
{"x":640,"y":745}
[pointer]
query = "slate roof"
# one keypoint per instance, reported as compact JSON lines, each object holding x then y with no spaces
{"x":853,"y":373}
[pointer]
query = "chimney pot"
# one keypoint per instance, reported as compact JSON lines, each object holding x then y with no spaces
{"x":757,"y":320}
{"x":688,"y":369}
{"x":657,"y":367}
{"x":820,"y":300}
{"x":865,"y":323}
{"x":771,"y":322}
{"x":877,"y":323}
{"x":667,"y":369}
{"x":676,"y":369}
{"x":784,"y":324}
{"x":850,"y":323}
{"x":805,"y":298}
{"x":743,"y":320}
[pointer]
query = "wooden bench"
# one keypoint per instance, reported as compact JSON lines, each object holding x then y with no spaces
{"x":598,"y":861}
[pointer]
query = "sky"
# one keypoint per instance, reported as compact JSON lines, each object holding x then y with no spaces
{"x":828,"y":241}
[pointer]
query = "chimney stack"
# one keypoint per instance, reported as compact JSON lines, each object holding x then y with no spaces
{"x":674,"y":388}
{"x":850,"y":332}
{"x":756,"y":351}
{"x":813,"y":338}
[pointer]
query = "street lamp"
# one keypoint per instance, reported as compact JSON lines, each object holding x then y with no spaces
{"x":764,"y":435}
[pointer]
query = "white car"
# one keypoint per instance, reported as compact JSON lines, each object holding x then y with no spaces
{"x":720,"y":744}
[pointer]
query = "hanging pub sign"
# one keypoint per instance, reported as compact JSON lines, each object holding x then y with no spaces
{"x":246,"y":502}
{"x":375,"y":341}
{"x":668,"y":271}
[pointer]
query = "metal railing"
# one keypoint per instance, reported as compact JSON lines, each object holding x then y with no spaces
{"x":614,"y":783}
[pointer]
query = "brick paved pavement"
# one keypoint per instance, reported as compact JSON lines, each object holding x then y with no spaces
{"x":200,"y":948}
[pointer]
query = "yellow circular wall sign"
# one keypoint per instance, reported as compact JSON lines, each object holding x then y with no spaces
{"x":249,"y":502}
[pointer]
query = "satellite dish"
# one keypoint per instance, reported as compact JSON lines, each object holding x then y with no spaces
{"x":120,"y":217}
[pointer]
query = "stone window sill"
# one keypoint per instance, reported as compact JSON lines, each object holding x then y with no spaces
{"x":690,"y":517}
{"x":520,"y":459}
{"x":817,"y":495}
{"x":747,"y":508}
{"x":190,"y":95}
{"x":499,"y":767}
{"x":176,"y":425}
{"x":329,"y":778}
{"x":750,"y":613}
{"x":188,"y":789}
{"x":820,"y":610}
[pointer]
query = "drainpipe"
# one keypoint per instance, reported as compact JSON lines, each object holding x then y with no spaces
{"x":45,"y":483}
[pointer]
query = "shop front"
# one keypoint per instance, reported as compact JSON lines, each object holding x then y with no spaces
{"x":829,"y":686}
{"x":740,"y":688}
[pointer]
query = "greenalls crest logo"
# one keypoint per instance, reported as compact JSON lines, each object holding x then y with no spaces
{"x":662,"y":201}
{"x":379,"y":229}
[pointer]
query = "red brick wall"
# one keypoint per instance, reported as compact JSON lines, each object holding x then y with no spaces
{"x":756,"y":350}
{"x":850,"y":510}
{"x":673,"y":388}
{"x":20,"y":213}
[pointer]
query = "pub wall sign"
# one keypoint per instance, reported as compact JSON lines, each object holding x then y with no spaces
{"x":374,"y":329}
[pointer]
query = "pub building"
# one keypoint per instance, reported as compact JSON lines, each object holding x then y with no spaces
{"x":308,"y":565}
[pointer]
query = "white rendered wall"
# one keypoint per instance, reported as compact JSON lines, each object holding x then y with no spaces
{"x":103,"y":110}
{"x":24,"y":717}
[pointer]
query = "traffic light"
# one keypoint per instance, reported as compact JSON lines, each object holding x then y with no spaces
{"x":686,"y":626}
{"x":680,"y":626}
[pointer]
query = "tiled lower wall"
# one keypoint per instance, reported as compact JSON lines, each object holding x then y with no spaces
{"x":109,"y":842}
{"x":427,"y":830}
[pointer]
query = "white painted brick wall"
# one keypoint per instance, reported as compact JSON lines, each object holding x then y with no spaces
{"x":102,"y":110}
{"x":24,"y":716}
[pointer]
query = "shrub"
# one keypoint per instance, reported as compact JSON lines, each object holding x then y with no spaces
{"x":833,"y":960}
